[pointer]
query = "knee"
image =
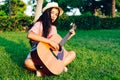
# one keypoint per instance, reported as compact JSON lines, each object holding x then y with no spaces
{"x":73,"y":54}
{"x":28,"y":63}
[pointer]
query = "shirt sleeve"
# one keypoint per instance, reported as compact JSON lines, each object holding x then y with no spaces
{"x":37,"y":28}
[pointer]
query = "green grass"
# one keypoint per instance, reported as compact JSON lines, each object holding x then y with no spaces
{"x":97,"y":56}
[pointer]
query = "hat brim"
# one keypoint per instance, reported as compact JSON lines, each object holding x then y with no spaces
{"x":60,"y":9}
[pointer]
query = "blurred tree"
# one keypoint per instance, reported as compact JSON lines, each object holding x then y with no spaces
{"x":34,"y":3}
{"x":107,"y":7}
{"x":67,"y":5}
{"x":113,"y":8}
{"x":13,"y":7}
{"x":38,"y":10}
{"x":117,"y":5}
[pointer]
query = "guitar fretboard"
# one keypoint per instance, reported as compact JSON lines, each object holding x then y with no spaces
{"x":64,"y":40}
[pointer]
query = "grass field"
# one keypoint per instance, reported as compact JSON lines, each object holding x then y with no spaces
{"x":97,"y":56}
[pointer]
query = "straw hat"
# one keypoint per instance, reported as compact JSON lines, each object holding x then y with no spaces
{"x":53,"y":4}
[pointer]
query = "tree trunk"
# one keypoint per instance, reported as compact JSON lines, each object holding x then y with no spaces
{"x":113,"y":8}
{"x":38,"y":10}
{"x":10,"y":11}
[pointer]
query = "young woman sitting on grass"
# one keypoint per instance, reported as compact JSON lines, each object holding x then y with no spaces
{"x":43,"y":29}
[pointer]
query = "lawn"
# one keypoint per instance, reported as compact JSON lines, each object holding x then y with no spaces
{"x":97,"y":56}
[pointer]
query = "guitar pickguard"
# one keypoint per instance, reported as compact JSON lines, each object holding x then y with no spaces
{"x":60,"y":55}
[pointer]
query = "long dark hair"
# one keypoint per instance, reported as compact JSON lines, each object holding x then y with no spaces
{"x":45,"y":18}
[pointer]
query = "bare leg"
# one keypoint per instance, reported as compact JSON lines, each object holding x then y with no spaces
{"x":30,"y":66}
{"x":69,"y":57}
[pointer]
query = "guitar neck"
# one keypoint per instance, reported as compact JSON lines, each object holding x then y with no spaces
{"x":64,"y":40}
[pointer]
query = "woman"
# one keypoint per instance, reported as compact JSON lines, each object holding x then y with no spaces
{"x":42,"y":30}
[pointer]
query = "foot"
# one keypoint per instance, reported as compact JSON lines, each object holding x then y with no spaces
{"x":38,"y":73}
{"x":65,"y":69}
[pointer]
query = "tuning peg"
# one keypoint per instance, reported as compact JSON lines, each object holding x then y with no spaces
{"x":71,"y":23}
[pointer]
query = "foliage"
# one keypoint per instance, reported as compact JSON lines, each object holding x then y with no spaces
{"x":33,"y":4}
{"x":13,"y":7}
{"x":97,"y":56}
{"x":110,"y":23}
{"x":118,"y":5}
{"x":17,"y":7}
{"x":89,"y":5}
{"x":2,"y":13}
{"x":72,"y":4}
{"x":84,"y":22}
{"x":14,"y":23}
{"x":88,"y":22}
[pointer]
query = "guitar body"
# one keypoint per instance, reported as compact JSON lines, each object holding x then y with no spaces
{"x":48,"y":61}
{"x":44,"y":57}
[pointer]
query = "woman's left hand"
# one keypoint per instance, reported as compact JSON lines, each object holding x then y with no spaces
{"x":72,"y":32}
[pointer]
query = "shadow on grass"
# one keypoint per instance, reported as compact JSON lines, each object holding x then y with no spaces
{"x":16,"y":51}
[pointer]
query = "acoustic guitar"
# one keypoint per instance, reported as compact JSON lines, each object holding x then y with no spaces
{"x":48,"y":61}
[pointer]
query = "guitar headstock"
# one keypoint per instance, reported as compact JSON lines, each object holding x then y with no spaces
{"x":73,"y":26}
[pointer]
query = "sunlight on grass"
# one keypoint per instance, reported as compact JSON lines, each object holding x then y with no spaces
{"x":97,"y":56}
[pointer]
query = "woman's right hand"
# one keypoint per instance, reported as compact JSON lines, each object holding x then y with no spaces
{"x":54,"y":45}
